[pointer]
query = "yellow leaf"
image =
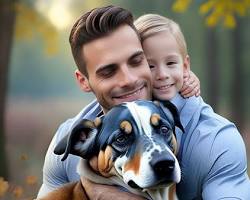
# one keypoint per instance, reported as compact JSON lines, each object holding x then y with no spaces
{"x":181,"y":5}
{"x":240,"y":9}
{"x":229,"y":21}
{"x":205,"y":7}
{"x":31,"y":180}
{"x":24,"y":157}
{"x":212,"y":20}
{"x":18,"y":192}
{"x":4,"y":185}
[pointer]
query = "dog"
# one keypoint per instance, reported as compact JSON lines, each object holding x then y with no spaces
{"x":135,"y":147}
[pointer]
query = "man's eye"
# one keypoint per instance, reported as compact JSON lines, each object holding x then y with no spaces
{"x":107,"y":73}
{"x":137,"y":61}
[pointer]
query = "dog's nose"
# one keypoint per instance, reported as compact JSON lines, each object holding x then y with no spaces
{"x":163,"y":165}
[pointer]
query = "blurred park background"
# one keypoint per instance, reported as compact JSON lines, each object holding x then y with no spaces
{"x":38,"y":90}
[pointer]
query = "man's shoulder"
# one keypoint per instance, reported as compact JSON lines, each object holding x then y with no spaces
{"x":88,"y":112}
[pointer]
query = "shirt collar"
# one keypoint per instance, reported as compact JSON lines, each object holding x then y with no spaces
{"x":178,"y":101}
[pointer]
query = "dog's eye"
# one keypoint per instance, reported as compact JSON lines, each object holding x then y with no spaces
{"x":164,"y":130}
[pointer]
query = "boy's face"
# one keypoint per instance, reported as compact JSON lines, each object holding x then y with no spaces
{"x":166,"y":64}
{"x":117,"y":68}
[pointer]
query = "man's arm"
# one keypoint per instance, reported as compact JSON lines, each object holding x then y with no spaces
{"x":227,"y":178}
{"x":106,"y":192}
{"x":55,"y":172}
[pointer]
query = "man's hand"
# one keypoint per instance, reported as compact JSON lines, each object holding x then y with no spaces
{"x":191,"y":85}
{"x":106,"y":192}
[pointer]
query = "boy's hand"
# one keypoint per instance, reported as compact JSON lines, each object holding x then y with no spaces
{"x":106,"y":192}
{"x":191,"y":85}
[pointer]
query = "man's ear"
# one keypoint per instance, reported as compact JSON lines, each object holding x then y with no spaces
{"x":82,"y":81}
{"x":80,"y":141}
{"x":186,"y":64}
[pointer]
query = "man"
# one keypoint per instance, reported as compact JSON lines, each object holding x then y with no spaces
{"x":111,"y":64}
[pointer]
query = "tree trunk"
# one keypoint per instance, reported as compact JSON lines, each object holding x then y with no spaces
{"x":7,"y":18}
{"x":213,"y":70}
{"x":238,"y":95}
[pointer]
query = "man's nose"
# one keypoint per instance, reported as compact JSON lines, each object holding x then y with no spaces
{"x":127,"y":76}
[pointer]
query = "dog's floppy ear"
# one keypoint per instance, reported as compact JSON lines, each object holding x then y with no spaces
{"x":80,"y":141}
{"x":171,"y":107}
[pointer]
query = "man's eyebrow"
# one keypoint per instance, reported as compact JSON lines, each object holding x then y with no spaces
{"x":105,"y":67}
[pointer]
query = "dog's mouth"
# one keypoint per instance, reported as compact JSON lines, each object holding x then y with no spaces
{"x":132,"y":184}
{"x":160,"y":184}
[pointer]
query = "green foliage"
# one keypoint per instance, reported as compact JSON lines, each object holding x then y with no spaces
{"x":29,"y":22}
{"x":225,"y":11}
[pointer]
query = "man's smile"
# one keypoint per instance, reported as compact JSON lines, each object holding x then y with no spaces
{"x":131,"y":95}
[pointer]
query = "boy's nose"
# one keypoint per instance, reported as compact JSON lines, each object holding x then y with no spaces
{"x":161,"y":73}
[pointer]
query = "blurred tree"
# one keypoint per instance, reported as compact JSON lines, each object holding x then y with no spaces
{"x":7,"y":20}
{"x":238,"y":95}
{"x":24,"y":20}
{"x":227,"y":12}
{"x":212,"y":68}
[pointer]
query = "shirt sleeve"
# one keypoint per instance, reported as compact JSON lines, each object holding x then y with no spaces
{"x":227,"y":177}
{"x":55,"y":172}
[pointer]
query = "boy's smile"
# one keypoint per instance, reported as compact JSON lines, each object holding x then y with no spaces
{"x":166,"y":63}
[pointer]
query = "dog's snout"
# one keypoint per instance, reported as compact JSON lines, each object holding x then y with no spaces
{"x":163,"y":165}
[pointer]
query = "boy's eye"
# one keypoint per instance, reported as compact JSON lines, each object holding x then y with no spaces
{"x":151,"y":66}
{"x":171,"y":63}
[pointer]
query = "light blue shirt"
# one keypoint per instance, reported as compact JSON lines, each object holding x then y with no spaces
{"x":212,"y":154}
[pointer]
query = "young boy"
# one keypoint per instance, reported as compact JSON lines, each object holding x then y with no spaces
{"x":212,"y":153}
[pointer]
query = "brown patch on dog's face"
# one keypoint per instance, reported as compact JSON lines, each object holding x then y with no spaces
{"x":104,"y":162}
{"x":133,"y":164}
{"x":126,"y":127}
{"x":155,"y":119}
{"x":97,"y":121}
{"x":175,"y":145}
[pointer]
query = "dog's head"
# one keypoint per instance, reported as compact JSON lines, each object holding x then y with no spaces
{"x":134,"y":140}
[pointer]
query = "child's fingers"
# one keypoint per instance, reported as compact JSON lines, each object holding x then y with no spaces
{"x":198,"y":92}
{"x":188,"y":93}
{"x":188,"y":86}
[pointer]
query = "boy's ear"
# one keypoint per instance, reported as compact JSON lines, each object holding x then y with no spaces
{"x":186,"y":64}
{"x":82,"y":81}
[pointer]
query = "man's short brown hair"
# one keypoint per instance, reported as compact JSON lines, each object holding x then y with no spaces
{"x":95,"y":24}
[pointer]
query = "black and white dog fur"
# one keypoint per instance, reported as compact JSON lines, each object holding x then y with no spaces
{"x":135,"y":146}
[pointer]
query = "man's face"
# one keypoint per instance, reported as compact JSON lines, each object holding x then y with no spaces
{"x":117,"y":68}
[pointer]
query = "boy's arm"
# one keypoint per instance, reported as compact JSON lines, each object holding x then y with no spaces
{"x":227,"y":177}
{"x":191,"y":85}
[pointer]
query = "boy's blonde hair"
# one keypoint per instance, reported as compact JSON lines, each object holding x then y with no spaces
{"x":151,"y":24}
